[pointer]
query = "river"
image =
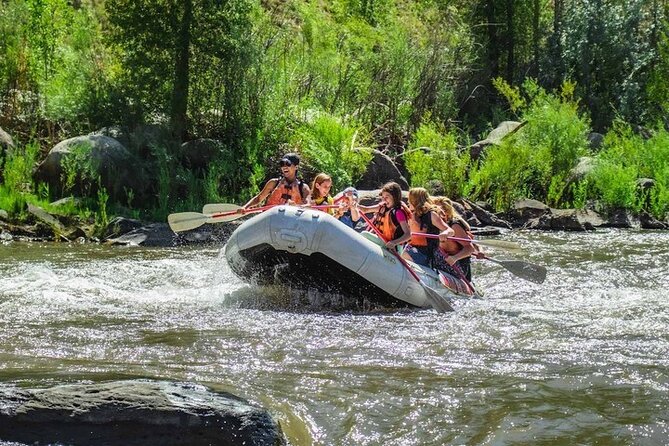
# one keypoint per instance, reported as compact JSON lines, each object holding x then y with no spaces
{"x":581,"y":359}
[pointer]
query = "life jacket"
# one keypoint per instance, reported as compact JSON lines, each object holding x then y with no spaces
{"x":286,"y":191}
{"x":423,"y":224}
{"x":387,"y":223}
{"x":452,"y":246}
{"x":323,"y":201}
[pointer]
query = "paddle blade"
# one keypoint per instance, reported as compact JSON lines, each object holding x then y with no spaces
{"x":218,"y":208}
{"x":524,"y":270}
{"x":184,"y":221}
{"x":438,"y":302}
{"x":502,"y":244}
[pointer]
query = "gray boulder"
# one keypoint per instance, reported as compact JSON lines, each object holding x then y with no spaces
{"x":379,"y":171}
{"x":526,"y":210}
{"x":496,"y":136}
{"x":92,"y":156}
{"x":119,"y":133}
{"x":6,"y":141}
{"x":198,"y":153}
{"x":566,"y":220}
{"x":132,"y":413}
{"x":486,"y":217}
{"x":595,"y":141}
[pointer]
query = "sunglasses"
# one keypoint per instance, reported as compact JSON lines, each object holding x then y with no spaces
{"x":285,"y":163}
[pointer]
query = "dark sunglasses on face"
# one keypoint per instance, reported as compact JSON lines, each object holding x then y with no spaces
{"x":285,"y":163}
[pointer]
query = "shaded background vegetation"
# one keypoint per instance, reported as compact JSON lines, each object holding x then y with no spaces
{"x":419,"y":80}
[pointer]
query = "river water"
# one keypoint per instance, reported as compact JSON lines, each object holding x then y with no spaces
{"x":581,"y":359}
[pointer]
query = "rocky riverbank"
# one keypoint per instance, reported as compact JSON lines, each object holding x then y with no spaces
{"x":525,"y":214}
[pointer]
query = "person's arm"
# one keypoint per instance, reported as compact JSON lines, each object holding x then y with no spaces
{"x":466,"y":249}
{"x":355,"y":212}
{"x":262,"y":195}
{"x":404,"y":238}
{"x":439,"y":222}
{"x":306,"y":192}
{"x":368,"y":209}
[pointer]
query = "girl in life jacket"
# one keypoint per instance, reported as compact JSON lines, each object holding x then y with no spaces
{"x":426,"y":218}
{"x":455,"y":256}
{"x":287,"y":189}
{"x":392,"y":215}
{"x":320,"y":191}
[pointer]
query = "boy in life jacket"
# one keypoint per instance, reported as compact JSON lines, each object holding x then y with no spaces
{"x":426,"y":218}
{"x":453,"y":255}
{"x":287,"y":189}
{"x":320,"y":191}
{"x":392,"y":215}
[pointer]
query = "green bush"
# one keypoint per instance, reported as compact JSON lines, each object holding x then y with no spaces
{"x":433,"y":155}
{"x":535,"y":161}
{"x":332,"y":145}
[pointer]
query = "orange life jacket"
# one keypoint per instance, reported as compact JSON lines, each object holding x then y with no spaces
{"x":285,"y":191}
{"x":387,"y":223}
{"x":452,"y":247}
{"x":423,"y":224}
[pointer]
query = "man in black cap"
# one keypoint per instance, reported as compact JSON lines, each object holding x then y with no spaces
{"x":287,"y":189}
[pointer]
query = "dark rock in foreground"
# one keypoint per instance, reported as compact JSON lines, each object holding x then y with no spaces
{"x":132,"y":413}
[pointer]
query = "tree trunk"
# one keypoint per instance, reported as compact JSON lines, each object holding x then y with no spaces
{"x":510,"y":43}
{"x":493,"y":44}
{"x":178,"y":113}
{"x":536,"y":16}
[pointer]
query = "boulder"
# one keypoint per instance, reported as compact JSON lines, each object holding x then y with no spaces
{"x":129,"y":413}
{"x":620,"y":218}
{"x":121,"y":225}
{"x":645,"y":183}
{"x":379,"y":171}
{"x":526,"y":210}
{"x":486,"y":217}
{"x":146,"y":137}
{"x":6,"y":141}
{"x":496,"y":136}
{"x":647,"y":221}
{"x":595,"y":141}
{"x":160,"y":235}
{"x":94,"y":155}
{"x":119,"y":133}
{"x":198,"y":153}
{"x":566,"y":220}
{"x":584,"y":166}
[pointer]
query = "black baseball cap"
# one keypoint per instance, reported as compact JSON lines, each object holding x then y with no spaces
{"x":293,"y":158}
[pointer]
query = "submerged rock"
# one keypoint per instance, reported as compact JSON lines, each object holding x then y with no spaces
{"x":132,"y":413}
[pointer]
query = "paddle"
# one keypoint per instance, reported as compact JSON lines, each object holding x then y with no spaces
{"x":525,"y":270}
{"x":503,"y":244}
{"x":184,"y":221}
{"x":437,"y":301}
{"x":215,"y":208}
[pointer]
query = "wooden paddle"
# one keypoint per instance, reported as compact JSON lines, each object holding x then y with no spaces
{"x":503,"y":244}
{"x":437,"y":301}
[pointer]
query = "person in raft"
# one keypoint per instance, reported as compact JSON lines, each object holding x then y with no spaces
{"x":426,"y":218}
{"x":348,"y":212}
{"x":320,"y":192}
{"x":455,"y":255}
{"x":287,"y":189}
{"x":392,"y":215}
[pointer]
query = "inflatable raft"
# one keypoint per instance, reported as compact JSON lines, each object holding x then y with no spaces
{"x":304,"y":248}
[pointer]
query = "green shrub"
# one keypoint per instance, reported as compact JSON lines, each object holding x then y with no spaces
{"x":433,"y":155}
{"x":535,"y":161}
{"x":332,"y":145}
